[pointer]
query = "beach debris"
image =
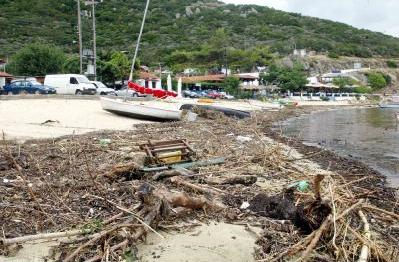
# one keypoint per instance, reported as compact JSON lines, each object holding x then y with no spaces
{"x":113,"y":200}
{"x":168,"y":152}
{"x":301,"y":186}
{"x":245,"y":180}
{"x":50,"y":122}
{"x":105,"y":141}
{"x":188,"y":165}
{"x":189,"y":116}
{"x":214,"y":112}
{"x":243,"y":139}
{"x":129,"y":171}
{"x":244,"y":205}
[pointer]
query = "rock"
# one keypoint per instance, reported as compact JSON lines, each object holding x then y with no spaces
{"x":178,"y":16}
{"x":189,"y":12}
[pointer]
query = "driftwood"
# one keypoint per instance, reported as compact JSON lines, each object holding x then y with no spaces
{"x":22,"y":239}
{"x":242,"y":180}
{"x":183,"y":200}
{"x":382,"y":211}
{"x":172,"y":173}
{"x":364,"y":253}
{"x":316,"y":238}
{"x":204,"y":190}
{"x":129,"y":171}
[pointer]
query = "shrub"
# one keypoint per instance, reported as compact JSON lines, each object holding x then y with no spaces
{"x":362,"y":90}
{"x":392,"y":64}
{"x":376,"y":80}
{"x":333,"y":54}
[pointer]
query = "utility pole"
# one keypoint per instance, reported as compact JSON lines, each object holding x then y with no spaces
{"x":93,"y":13}
{"x":94,"y":41}
{"x":225,"y":57}
{"x":80,"y":38}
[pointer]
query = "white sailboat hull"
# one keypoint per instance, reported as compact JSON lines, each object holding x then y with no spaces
{"x":143,"y":110}
{"x":389,"y":105}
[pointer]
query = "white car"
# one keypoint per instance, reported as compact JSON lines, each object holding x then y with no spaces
{"x":130,"y":92}
{"x":70,"y":84}
{"x":102,"y":89}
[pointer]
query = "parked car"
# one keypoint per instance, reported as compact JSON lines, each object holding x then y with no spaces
{"x":102,"y":89}
{"x":130,"y":92}
{"x":190,"y":94}
{"x":226,"y":96}
{"x":27,"y":87}
{"x":214,"y":95}
{"x":71,"y":84}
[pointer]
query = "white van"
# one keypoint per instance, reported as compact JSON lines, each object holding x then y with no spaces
{"x":70,"y":84}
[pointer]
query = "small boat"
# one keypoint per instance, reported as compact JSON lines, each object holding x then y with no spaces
{"x":389,"y":105}
{"x":392,"y":102}
{"x":226,"y":111}
{"x":147,"y":110}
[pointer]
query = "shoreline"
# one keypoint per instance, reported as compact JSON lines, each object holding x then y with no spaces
{"x":327,"y":158}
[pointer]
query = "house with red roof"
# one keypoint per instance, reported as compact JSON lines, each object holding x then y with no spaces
{"x":5,"y":78}
{"x":148,"y":79}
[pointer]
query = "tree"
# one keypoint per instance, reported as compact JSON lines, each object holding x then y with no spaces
{"x":108,"y":72}
{"x":231,"y":84}
{"x":343,"y":82}
{"x":37,"y":60}
{"x":71,"y":65}
{"x":286,"y":78}
{"x":376,"y":80}
{"x":121,"y":65}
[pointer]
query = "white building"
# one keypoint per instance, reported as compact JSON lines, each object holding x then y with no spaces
{"x":149,"y":80}
{"x":300,"y":52}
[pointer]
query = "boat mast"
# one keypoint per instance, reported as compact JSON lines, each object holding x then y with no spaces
{"x":137,"y":46}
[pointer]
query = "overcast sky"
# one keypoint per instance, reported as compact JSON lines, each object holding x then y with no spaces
{"x":376,"y":15}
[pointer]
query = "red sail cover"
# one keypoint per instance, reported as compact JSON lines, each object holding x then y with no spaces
{"x":159,"y":93}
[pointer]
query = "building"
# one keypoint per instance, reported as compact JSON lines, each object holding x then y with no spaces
{"x":249,"y":81}
{"x":300,"y":52}
{"x":4,"y":79}
{"x":203,"y":82}
{"x":149,"y":80}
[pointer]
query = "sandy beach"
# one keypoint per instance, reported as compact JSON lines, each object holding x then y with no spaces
{"x":23,"y":119}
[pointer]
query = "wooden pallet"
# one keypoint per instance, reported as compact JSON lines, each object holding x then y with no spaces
{"x":168,"y":152}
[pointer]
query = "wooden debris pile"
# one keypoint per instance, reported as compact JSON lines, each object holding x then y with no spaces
{"x":96,"y":197}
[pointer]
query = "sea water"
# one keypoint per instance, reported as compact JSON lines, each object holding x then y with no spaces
{"x":370,"y":135}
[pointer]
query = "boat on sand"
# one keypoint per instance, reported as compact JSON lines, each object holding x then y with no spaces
{"x":148,"y":110}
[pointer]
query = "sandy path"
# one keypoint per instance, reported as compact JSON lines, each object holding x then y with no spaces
{"x":21,"y":119}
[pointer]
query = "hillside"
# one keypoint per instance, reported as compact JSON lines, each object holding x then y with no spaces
{"x":183,"y":25}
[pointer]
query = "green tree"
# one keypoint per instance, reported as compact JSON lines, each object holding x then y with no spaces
{"x":121,"y":64}
{"x":71,"y":65}
{"x":286,"y":78}
{"x":231,"y":84}
{"x":219,"y":39}
{"x":343,"y":82}
{"x":108,"y":72}
{"x":37,"y":60}
{"x":376,"y":80}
